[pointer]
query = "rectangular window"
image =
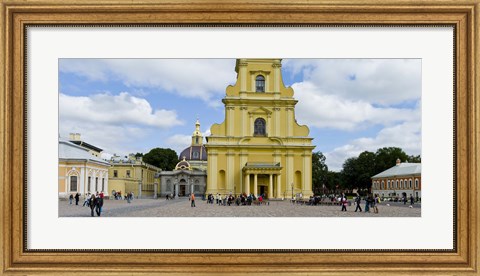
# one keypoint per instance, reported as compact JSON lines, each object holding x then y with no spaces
{"x":128,"y":173}
{"x":96,"y":184}
{"x":89,"y":183}
{"x":73,"y":183}
{"x":115,"y":173}
{"x":103,"y":184}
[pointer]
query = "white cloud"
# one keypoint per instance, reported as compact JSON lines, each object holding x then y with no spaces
{"x":356,"y":94}
{"x":379,"y":81}
{"x":122,"y":109}
{"x":406,"y":136}
{"x":112,"y":122}
{"x":322,"y":110}
{"x":179,"y":142}
{"x":191,"y":78}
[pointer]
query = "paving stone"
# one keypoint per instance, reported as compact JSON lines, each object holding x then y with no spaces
{"x":181,"y":208}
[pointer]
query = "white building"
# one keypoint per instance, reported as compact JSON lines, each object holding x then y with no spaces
{"x":80,"y":171}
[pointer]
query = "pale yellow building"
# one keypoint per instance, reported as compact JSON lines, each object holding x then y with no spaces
{"x":80,"y":171}
{"x":131,"y":174}
{"x":259,"y":148}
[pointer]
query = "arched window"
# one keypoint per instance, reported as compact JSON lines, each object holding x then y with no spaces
{"x":401,"y":184}
{"x":259,"y":84}
{"x":416,"y":183}
{"x":195,"y":154}
{"x":410,"y":183}
{"x":396,"y":184}
{"x":388,"y":184}
{"x":383,"y":185}
{"x":260,"y":127}
{"x":73,"y":183}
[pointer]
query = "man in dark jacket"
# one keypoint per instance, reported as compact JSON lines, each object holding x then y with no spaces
{"x":77,"y":198}
{"x":99,"y":205}
{"x":358,"y":199}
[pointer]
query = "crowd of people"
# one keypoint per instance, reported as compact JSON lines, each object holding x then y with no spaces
{"x":128,"y":197}
{"x":94,"y":201}
{"x":371,"y":201}
{"x":242,"y":199}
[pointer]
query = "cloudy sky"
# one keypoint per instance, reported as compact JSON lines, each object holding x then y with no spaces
{"x":133,"y":105}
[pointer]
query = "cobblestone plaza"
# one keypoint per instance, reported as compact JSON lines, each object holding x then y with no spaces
{"x":181,"y":208}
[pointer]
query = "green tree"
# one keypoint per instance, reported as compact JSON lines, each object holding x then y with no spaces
{"x":334,"y":179}
{"x":386,"y":158}
{"x":138,"y":154}
{"x":414,"y":159}
{"x":165,"y":159}
{"x":319,"y":171}
{"x":357,"y":171}
{"x":365,"y":168}
{"x":349,"y":172}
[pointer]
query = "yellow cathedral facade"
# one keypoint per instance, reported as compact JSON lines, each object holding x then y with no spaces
{"x":259,"y":148}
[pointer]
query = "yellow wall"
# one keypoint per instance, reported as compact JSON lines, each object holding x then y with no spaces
{"x":232,"y":143}
{"x":140,"y":172}
{"x":82,"y":169}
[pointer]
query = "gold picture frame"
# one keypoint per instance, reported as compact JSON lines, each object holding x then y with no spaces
{"x":463,"y":15}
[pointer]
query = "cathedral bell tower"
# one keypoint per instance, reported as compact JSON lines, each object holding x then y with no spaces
{"x":259,"y":148}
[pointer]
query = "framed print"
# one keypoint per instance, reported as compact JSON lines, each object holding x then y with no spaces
{"x":292,"y":137}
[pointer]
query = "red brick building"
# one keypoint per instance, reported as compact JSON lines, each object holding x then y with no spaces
{"x":403,"y":179}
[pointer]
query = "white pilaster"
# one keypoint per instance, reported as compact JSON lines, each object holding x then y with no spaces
{"x":81,"y":179}
{"x":255,"y":183}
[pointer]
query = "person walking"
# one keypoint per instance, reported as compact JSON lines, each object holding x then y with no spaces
{"x":93,"y":202}
{"x":358,"y":200}
{"x":71,"y":199}
{"x":374,"y":204}
{"x":87,"y":198}
{"x":77,"y":198}
{"x":192,"y":200}
{"x":128,"y":197}
{"x":367,"y":204}
{"x":412,"y":200}
{"x":99,"y":205}
{"x":344,"y":203}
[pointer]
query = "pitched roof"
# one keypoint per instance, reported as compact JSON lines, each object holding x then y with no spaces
{"x":401,"y":169}
{"x":68,"y":150}
{"x":86,"y":145}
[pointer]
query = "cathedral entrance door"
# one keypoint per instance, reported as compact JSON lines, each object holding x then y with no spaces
{"x":263,"y":190}
{"x":182,"y":188}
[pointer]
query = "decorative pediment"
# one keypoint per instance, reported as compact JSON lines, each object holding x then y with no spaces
{"x":259,"y":111}
{"x":259,"y":72}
